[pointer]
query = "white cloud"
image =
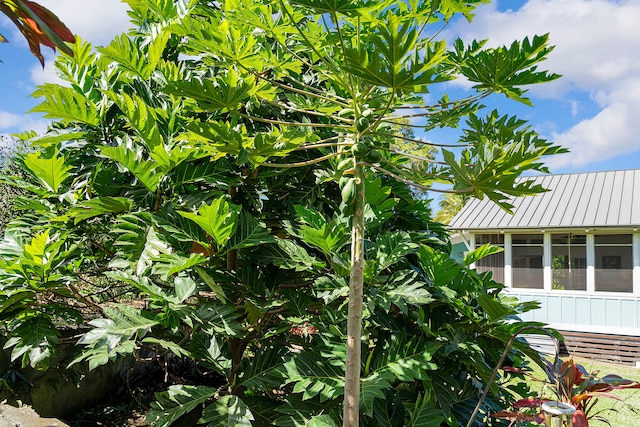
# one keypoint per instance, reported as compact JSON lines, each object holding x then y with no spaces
{"x":94,"y":20}
{"x":597,"y":54}
{"x":614,"y":131}
{"x":48,"y":74}
{"x":10,"y":122}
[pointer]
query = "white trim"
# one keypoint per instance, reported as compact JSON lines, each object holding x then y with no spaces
{"x":591,"y":264}
{"x":611,"y":330}
{"x":472,"y":243}
{"x":547,"y":278}
{"x":561,"y":292}
{"x":467,"y":242}
{"x":636,"y":263}
{"x":508,"y":261}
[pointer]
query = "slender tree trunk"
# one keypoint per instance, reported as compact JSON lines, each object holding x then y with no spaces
{"x":351,"y":413}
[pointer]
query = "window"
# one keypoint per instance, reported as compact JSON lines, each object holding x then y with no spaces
{"x":614,"y":263}
{"x":494,"y":262}
{"x":569,"y":262}
{"x":527,"y":252}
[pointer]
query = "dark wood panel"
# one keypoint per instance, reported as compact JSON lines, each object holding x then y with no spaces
{"x":604,"y":347}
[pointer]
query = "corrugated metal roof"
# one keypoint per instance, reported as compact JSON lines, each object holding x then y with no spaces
{"x":593,"y":199}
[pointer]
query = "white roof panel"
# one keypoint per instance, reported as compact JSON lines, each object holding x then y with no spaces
{"x":593,"y":199}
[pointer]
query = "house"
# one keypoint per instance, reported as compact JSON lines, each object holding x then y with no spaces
{"x":576,"y":250}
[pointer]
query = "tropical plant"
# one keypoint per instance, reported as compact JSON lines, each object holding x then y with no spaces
{"x":571,"y":383}
{"x":234,"y":169}
{"x":38,"y":25}
{"x":8,"y":150}
{"x":450,"y":204}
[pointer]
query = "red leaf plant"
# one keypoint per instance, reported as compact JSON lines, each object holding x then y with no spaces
{"x":38,"y":25}
{"x":574,"y":385}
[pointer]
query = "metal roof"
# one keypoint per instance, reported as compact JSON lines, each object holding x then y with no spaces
{"x":593,"y":199}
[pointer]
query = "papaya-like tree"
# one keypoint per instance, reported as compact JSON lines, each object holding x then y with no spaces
{"x":238,"y":166}
{"x":38,"y":25}
{"x":374,"y":61}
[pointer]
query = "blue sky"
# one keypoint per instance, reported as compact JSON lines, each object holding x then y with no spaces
{"x":594,"y":109}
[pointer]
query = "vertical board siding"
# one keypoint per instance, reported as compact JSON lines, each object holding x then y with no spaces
{"x":629,"y":312}
{"x":582,"y":312}
{"x":568,"y":309}
{"x":577,"y":310}
{"x":554,"y":310}
{"x":613,"y":312}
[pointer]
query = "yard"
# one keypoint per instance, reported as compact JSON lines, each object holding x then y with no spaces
{"x":619,"y":413}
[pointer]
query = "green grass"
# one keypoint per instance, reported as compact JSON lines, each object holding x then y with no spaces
{"x":618,"y":413}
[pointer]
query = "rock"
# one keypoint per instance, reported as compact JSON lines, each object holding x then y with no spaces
{"x":59,"y":391}
{"x":11,"y":416}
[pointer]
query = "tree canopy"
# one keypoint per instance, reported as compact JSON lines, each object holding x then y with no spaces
{"x":237,"y":167}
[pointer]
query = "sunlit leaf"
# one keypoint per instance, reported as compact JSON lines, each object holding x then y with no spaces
{"x":227,"y":411}
{"x":50,"y":169}
{"x":217,"y":219}
{"x":177,"y":401}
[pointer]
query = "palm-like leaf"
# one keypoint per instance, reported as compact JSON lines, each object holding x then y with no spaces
{"x":217,"y":219}
{"x":49,"y":169}
{"x":314,"y":376}
{"x":131,"y":58}
{"x":177,"y":401}
{"x":149,"y":173}
{"x":227,"y":411}
{"x":249,"y":232}
{"x":34,"y":341}
{"x":387,"y":250}
{"x":99,"y":206}
{"x":407,"y":359}
{"x":67,"y":104}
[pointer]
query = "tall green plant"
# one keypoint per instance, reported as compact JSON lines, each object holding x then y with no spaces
{"x":237,"y":167}
{"x":371,"y":59}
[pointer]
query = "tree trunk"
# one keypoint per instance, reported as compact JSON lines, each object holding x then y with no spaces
{"x":351,"y":413}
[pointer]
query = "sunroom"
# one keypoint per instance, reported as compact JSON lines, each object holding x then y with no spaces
{"x":576,"y":250}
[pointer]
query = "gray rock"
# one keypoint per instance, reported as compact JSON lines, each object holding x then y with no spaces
{"x":10,"y":416}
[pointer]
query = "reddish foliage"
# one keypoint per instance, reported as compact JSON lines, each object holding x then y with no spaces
{"x":580,"y":419}
{"x":575,"y":386}
{"x":39,"y":26}
{"x":529,"y":403}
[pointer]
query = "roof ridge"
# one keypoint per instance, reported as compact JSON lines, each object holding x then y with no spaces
{"x":580,"y":173}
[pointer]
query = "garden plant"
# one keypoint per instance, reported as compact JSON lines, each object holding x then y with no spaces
{"x":571,"y":383}
{"x":226,"y":185}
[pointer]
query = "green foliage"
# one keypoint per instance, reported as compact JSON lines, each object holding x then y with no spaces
{"x":197,"y":197}
{"x":177,"y":401}
{"x":10,"y":148}
{"x":217,"y":219}
{"x":450,"y":204}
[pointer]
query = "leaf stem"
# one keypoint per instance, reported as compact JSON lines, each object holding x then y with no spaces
{"x":299,"y":164}
{"x":419,"y":141}
{"x":284,"y":123}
